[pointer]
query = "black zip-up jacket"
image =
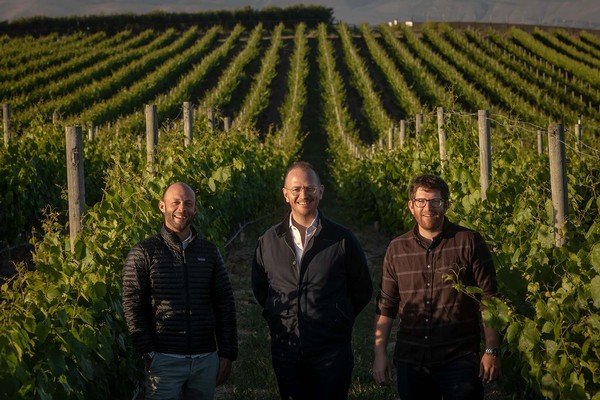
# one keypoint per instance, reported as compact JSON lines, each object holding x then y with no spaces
{"x":179,"y":301}
{"x":312,"y":305}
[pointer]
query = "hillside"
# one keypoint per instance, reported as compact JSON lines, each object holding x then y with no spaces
{"x":533,"y":75}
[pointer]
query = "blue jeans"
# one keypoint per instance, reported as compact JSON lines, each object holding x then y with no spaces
{"x":319,"y":375}
{"x":182,"y":378}
{"x":456,"y":380}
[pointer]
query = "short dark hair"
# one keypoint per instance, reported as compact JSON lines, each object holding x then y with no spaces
{"x":428,"y":182}
{"x":304,"y":165}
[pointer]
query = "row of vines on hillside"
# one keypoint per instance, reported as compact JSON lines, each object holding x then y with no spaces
{"x":550,"y":303}
{"x":101,"y":80}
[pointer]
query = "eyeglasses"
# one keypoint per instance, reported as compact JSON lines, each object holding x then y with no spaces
{"x":307,"y":189}
{"x":435,"y":202}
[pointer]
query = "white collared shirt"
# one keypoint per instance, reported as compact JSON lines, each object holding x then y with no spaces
{"x":298,"y":246}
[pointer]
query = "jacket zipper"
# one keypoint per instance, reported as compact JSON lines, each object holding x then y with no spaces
{"x":187,"y":302}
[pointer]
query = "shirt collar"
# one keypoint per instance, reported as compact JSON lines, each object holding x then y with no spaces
{"x":311,"y":227}
{"x":430,"y":242}
{"x":187,"y":240}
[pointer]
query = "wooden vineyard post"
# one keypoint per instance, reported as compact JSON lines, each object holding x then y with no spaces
{"x":540,"y":141}
{"x":485,"y":150}
{"x":75,"y":181}
{"x":391,"y":138}
{"x":151,"y":135}
{"x":227,"y":123}
{"x":418,"y":125}
{"x":91,"y":132}
{"x":442,"y":136}
{"x":6,"y":122}
{"x":579,"y":135}
{"x":188,"y":120}
{"x":402,"y":132}
{"x":558,"y":182}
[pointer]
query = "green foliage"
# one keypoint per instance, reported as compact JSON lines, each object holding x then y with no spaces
{"x":312,"y":15}
{"x":548,"y":312}
{"x":63,"y":332}
{"x":33,"y":174}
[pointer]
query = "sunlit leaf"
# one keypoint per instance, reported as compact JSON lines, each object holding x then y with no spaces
{"x":529,"y":337}
{"x":595,"y":290}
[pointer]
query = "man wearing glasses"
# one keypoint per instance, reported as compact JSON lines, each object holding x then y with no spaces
{"x":440,"y":329}
{"x":311,"y":277}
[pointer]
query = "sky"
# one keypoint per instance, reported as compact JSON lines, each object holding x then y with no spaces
{"x":564,"y":13}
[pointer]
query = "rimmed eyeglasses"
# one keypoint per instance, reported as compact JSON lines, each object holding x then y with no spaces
{"x":435,"y":202}
{"x":307,"y":189}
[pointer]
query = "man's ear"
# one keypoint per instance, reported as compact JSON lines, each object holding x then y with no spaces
{"x":285,"y":195}
{"x":161,"y":206}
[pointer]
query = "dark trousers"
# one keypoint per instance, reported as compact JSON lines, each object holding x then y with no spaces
{"x":322,"y":375}
{"x":456,"y":380}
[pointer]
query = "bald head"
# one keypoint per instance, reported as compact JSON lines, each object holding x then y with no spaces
{"x":179,"y":186}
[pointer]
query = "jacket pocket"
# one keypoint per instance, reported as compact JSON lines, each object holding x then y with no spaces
{"x":344,"y":317}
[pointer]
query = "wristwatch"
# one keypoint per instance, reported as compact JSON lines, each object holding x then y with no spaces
{"x":493,"y":351}
{"x":147,"y":357}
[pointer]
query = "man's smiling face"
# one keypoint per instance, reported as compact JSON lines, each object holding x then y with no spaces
{"x":429,"y":218}
{"x":179,"y":207}
{"x":302,"y":192}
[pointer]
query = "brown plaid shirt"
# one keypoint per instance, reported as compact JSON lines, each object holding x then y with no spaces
{"x":437,"y":322}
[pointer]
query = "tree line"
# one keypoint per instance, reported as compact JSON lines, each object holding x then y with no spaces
{"x":311,"y":15}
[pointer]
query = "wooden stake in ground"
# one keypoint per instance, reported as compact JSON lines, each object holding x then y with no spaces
{"x":151,"y":135}
{"x":558,"y":182}
{"x":485,"y":151}
{"x":6,"y":122}
{"x":75,"y":181}
{"x":188,"y":123}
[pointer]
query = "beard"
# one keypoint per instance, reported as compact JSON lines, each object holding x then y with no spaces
{"x":178,"y":224}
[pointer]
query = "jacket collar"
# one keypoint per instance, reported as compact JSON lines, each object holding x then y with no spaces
{"x":172,"y":239}
{"x":284,"y":227}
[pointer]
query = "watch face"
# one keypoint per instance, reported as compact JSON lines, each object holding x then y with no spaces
{"x":493,"y":352}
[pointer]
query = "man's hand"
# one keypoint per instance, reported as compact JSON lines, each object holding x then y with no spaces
{"x":224,"y":370}
{"x":381,"y":369}
{"x":490,"y":368}
{"x":381,"y":364}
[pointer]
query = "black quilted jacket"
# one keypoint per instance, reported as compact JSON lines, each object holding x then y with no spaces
{"x":177,"y":301}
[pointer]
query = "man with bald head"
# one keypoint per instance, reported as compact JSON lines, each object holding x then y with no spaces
{"x":179,"y":305}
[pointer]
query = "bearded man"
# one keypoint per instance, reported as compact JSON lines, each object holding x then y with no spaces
{"x":179,"y":305}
